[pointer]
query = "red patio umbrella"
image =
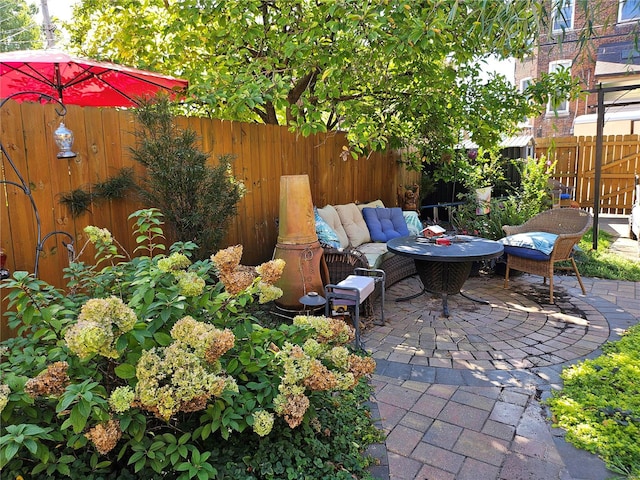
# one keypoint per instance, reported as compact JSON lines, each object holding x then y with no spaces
{"x":80,"y":81}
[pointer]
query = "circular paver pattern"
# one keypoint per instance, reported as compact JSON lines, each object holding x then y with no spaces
{"x":516,"y":329}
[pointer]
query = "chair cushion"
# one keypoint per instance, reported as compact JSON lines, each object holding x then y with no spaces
{"x":542,"y":242}
{"x":385,"y":223}
{"x":376,"y":253}
{"x":326,"y":234}
{"x":524,"y":252}
{"x":331,"y":217}
{"x":374,"y":204}
{"x":413,"y":222}
{"x":353,"y":223}
{"x":364,"y":285}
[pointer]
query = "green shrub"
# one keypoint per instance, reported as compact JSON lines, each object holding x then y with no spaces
{"x":152,"y":368}
{"x":534,"y":196}
{"x":505,"y":211}
{"x":197,"y":199}
{"x":528,"y":199}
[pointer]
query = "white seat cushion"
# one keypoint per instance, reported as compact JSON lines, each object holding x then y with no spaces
{"x":374,"y":253}
{"x":365,"y":286}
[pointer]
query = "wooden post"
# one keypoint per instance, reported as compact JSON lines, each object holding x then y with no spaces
{"x":597,"y":187}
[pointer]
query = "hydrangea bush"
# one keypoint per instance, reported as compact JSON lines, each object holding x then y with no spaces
{"x":154,"y":367}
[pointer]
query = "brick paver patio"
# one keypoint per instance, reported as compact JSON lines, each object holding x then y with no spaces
{"x":459,"y":397}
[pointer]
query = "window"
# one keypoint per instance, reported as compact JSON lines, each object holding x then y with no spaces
{"x":524,"y":84}
{"x":629,"y":10}
{"x":561,"y":107}
{"x":562,"y":15}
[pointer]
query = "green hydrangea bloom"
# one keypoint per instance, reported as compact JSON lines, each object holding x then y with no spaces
{"x":313,"y":348}
{"x":327,"y":329}
{"x":4,"y":396}
{"x":279,"y":403}
{"x":201,"y":337}
{"x":175,"y":261}
{"x":100,"y":324}
{"x":98,"y":235}
{"x":262,"y":422}
{"x":231,"y":385}
{"x":268,"y":293}
{"x":338,"y":356}
{"x":346,"y":380}
{"x":121,"y":399}
{"x":110,"y":312}
{"x":297,"y":366}
{"x":190,"y":284}
{"x":170,"y":378}
{"x":90,"y":338}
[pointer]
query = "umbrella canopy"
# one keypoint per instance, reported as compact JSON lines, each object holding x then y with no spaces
{"x":80,"y":81}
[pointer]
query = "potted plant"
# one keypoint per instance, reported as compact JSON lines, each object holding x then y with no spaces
{"x":480,"y":173}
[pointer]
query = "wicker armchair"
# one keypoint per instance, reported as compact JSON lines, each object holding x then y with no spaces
{"x":570,"y":224}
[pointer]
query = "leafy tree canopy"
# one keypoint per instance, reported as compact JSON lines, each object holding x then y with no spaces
{"x":18,"y":29}
{"x":391,"y":73}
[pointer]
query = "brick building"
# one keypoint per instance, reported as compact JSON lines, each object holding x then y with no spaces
{"x":607,"y":58}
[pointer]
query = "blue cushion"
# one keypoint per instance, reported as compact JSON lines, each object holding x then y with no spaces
{"x":326,"y":235}
{"x":540,"y":241}
{"x":413,"y":222}
{"x":385,"y":223}
{"x":524,"y":252}
{"x":565,"y":196}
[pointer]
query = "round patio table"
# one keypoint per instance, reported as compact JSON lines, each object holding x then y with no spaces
{"x":443,"y":269}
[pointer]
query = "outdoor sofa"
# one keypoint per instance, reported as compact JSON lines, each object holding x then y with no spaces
{"x":354,"y":236}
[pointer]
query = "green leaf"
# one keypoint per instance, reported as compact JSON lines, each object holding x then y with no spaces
{"x":78,"y":420}
{"x":163,"y":339}
{"x":184,"y":438}
{"x":64,"y":470}
{"x":10,"y":450}
{"x":139,"y":465}
{"x":125,"y":371}
{"x":84,"y":408}
{"x":203,"y":475}
{"x":149,"y":295}
{"x":31,"y":445}
{"x":135,"y":457}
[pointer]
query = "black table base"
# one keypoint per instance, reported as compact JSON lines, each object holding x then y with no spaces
{"x":444,"y":278}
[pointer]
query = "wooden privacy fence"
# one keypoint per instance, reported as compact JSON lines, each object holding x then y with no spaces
{"x":103,"y":138}
{"x":576,"y":167}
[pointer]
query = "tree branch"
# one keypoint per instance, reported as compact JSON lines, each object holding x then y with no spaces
{"x":301,"y":85}
{"x":268,"y":114}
